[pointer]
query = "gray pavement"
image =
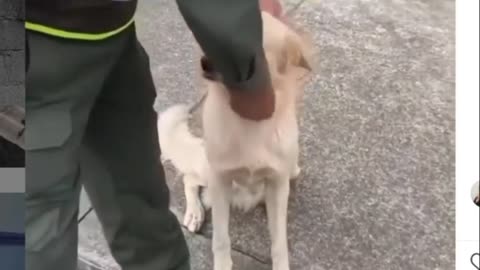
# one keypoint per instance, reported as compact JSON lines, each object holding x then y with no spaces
{"x":377,"y":188}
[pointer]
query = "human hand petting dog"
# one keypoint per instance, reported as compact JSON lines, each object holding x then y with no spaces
{"x":257,"y":104}
{"x":253,"y":104}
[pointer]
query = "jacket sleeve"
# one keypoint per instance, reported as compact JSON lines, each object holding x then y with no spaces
{"x":230,"y":35}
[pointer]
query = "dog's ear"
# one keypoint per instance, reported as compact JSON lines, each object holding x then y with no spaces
{"x":294,"y":55}
{"x":208,"y":70}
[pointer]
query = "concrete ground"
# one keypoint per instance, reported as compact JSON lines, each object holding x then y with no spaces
{"x":377,"y":189}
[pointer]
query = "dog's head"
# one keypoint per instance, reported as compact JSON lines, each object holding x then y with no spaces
{"x":288,"y":53}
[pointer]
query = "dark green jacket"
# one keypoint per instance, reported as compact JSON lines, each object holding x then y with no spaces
{"x":228,"y":31}
{"x":80,"y":16}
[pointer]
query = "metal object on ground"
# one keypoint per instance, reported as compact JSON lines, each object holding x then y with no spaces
{"x":12,"y":124}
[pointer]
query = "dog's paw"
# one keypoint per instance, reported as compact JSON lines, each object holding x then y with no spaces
{"x":280,"y":263}
{"x":194,"y":217}
{"x":223,"y":263}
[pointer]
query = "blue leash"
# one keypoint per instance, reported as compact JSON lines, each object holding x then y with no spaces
{"x":12,"y":239}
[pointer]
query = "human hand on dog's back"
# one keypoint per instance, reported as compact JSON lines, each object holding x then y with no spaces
{"x":230,"y":35}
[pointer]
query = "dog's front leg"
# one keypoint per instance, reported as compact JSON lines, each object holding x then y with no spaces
{"x":194,"y":213}
{"x":221,"y":246}
{"x":276,"y":198}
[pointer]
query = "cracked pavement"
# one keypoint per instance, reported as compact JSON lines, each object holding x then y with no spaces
{"x":377,"y":139}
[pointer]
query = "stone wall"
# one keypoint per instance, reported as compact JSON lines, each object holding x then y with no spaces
{"x":12,"y":71}
{"x":12,"y":54}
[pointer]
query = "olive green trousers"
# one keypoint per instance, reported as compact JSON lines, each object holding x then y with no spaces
{"x":90,"y":122}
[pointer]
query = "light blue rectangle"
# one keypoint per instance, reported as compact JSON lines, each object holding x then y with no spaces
{"x":12,"y":219}
{"x":12,"y":212}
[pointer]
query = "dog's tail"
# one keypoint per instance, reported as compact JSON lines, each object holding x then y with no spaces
{"x":179,"y":145}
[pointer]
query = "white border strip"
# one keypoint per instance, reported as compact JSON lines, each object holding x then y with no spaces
{"x":467,"y":133}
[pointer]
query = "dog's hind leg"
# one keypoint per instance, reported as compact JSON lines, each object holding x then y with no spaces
{"x":195,"y":213}
{"x":276,"y":199}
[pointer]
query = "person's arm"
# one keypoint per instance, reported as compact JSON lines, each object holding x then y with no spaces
{"x":230,"y":35}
